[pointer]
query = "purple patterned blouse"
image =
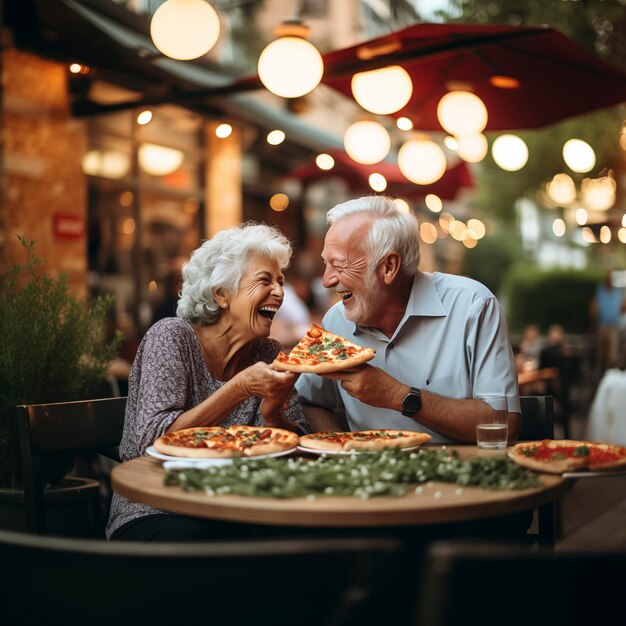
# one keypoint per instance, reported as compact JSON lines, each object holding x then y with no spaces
{"x":170,"y":376}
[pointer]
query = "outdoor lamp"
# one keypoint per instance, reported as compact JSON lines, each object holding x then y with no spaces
{"x":325,"y":161}
{"x":422,"y":161}
{"x":290,"y":66}
{"x":106,"y":163}
{"x":462,"y":113}
{"x":472,"y":148}
{"x":367,"y":142}
{"x":561,"y":189}
{"x":598,"y":194}
{"x":510,"y":152}
{"x":377,"y":182}
{"x":159,"y":160}
{"x":382,"y":91}
{"x":185,"y":29}
{"x":579,"y":156}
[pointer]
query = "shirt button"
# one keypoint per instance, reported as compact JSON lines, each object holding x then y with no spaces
{"x":391,"y":346}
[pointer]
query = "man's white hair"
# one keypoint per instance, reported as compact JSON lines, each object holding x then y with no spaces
{"x":219,"y":264}
{"x":392,"y":230}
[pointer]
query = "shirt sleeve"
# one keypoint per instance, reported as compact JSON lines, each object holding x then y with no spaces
{"x":322,"y":392}
{"x":492,"y":366}
{"x":160,"y":376}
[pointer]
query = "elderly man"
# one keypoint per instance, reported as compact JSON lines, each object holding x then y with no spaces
{"x":443,"y":357}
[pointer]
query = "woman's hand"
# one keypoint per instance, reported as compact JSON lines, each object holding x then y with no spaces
{"x":264,"y":382}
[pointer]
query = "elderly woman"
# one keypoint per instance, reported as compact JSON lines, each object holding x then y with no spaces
{"x":210,"y":365}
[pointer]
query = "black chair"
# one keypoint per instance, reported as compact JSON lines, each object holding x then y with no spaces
{"x":537,"y":422}
{"x":309,"y":582}
{"x":88,"y":425}
{"x":493,"y":584}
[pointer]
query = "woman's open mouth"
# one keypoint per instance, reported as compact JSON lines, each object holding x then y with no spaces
{"x":268,"y":312}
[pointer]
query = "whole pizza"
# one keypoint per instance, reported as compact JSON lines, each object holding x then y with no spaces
{"x":564,"y":455}
{"x":321,"y":351}
{"x":207,"y":442}
{"x":363,"y":440}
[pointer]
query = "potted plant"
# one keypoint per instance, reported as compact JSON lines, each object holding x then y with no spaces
{"x":53,"y":348}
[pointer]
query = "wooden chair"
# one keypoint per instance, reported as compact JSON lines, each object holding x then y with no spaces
{"x":87,"y":425}
{"x":307,"y":581}
{"x":537,"y":422}
{"x":489,"y":584}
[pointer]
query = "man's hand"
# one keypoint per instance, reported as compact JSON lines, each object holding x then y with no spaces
{"x":372,"y":386}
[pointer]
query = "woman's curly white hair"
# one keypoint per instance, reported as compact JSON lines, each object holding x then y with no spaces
{"x":219,"y":263}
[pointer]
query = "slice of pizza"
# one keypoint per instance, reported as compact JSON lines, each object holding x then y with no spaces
{"x":206,"y":442}
{"x":564,"y":455}
{"x":321,"y":351}
{"x":363,"y":440}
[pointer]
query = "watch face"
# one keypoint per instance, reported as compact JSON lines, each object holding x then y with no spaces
{"x":412,"y":402}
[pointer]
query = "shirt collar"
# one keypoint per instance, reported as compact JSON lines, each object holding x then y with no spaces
{"x":424,"y":300}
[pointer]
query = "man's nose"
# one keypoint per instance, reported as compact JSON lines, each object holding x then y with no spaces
{"x":329,"y":279}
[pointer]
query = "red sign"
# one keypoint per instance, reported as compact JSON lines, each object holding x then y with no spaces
{"x":68,"y":226}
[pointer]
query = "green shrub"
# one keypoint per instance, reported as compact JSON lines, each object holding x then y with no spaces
{"x":53,"y":346}
{"x":544,"y":297}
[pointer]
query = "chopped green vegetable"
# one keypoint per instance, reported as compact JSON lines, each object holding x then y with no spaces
{"x":581,"y":451}
{"x":367,"y":474}
{"x":557,"y":456}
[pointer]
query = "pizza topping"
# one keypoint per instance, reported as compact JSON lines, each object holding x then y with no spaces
{"x":322,"y":351}
{"x":558,"y":456}
{"x":234,"y":441}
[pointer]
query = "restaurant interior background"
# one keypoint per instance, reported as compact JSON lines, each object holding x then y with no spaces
{"x":118,"y":160}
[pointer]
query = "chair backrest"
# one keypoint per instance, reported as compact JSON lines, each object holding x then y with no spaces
{"x":63,"y":427}
{"x":304,"y":581}
{"x":537,"y":420}
{"x":489,"y":584}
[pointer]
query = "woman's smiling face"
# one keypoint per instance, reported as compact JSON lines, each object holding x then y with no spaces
{"x":259,"y":296}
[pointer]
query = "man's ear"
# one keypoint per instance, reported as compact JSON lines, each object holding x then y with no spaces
{"x":390,"y":267}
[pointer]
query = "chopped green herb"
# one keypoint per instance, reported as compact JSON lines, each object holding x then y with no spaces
{"x":529,"y":451}
{"x":388,"y":472}
{"x":581,"y":451}
{"x":557,"y":456}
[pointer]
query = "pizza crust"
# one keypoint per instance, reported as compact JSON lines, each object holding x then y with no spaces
{"x":409,"y":440}
{"x":569,"y":464}
{"x":327,"y":366}
{"x":279,"y":441}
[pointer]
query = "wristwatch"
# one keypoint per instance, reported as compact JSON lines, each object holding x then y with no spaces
{"x":412,"y":402}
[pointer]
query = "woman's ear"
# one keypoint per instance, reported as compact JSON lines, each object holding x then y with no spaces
{"x":391,"y":266}
{"x":221,"y":298}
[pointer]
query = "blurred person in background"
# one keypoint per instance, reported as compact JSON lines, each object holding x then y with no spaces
{"x":606,"y":311}
{"x":210,"y":365}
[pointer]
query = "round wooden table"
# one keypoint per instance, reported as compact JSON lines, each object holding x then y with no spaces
{"x":141,"y":480}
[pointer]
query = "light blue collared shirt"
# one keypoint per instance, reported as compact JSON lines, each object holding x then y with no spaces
{"x":453,"y":341}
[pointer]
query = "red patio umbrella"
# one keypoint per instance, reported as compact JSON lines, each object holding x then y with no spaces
{"x":357,"y":175}
{"x":557,"y":78}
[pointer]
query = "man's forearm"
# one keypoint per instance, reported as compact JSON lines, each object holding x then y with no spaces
{"x":457,"y":418}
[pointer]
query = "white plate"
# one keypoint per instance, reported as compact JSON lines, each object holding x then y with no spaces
{"x":152,"y":451}
{"x":346,"y":452}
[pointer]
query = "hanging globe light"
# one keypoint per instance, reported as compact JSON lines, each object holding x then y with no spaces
{"x":367,"y":142}
{"x":561,"y":189}
{"x":462,"y":113}
{"x":382,"y":91}
{"x":159,"y":160}
{"x":472,"y":148}
{"x":185,"y":29}
{"x":510,"y":152}
{"x":422,"y":161}
{"x":290,"y":66}
{"x":579,"y":156}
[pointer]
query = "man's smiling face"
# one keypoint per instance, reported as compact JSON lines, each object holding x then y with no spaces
{"x":348,"y":270}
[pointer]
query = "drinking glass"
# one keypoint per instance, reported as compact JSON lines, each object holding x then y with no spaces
{"x":493,"y":433}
